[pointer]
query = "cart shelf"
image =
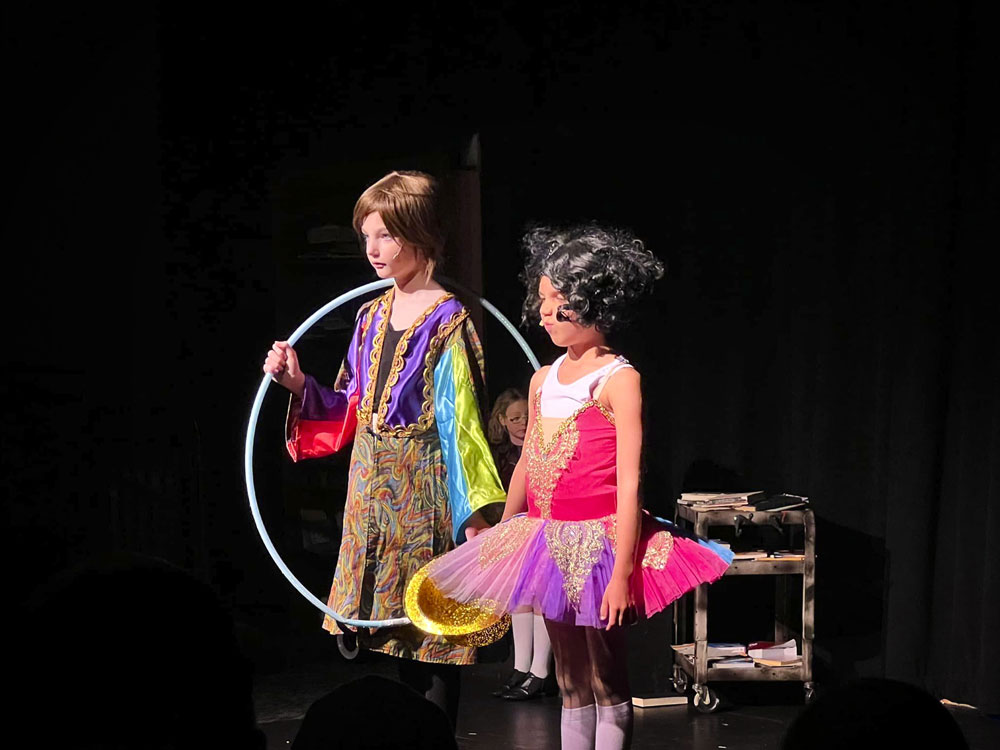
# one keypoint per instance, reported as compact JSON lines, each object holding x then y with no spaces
{"x":696,"y":667}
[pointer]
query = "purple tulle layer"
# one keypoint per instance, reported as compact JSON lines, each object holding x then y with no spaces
{"x":527,"y":577}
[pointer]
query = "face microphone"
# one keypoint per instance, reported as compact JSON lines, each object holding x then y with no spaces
{"x":562,"y":316}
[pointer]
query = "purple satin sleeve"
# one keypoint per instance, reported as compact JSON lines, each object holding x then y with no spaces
{"x":322,"y":402}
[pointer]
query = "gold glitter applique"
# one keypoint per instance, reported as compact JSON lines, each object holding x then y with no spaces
{"x":486,"y":636}
{"x":503,"y":540}
{"x":548,"y":460}
{"x":658,"y":550}
{"x":430,"y":610}
{"x":575,"y":546}
{"x":611,"y":530}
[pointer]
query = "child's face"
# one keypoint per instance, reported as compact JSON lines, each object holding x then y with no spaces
{"x":515,"y":419}
{"x":562,"y":328}
{"x":390,"y":258}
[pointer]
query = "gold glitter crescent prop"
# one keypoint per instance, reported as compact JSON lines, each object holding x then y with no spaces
{"x":472,"y":624}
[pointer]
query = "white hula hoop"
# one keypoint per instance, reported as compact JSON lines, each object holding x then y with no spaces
{"x":252,"y":430}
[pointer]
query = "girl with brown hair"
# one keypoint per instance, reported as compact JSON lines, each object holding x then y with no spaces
{"x":406,"y":391}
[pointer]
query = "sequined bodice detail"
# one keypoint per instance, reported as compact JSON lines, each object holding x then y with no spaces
{"x":547,"y":460}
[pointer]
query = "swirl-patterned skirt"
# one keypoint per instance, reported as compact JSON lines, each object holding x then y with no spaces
{"x":396,"y":519}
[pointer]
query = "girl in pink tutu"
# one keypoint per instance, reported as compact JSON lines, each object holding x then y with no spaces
{"x":585,"y":555}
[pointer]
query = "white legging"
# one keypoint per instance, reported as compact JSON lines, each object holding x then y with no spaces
{"x":532,"y":648}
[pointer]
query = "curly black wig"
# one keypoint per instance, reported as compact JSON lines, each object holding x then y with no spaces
{"x":602,"y":272}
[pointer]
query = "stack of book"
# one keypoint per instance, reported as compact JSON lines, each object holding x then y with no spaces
{"x":761,"y":554}
{"x":715,"y":650}
{"x":705,"y":501}
{"x":788,"y":554}
{"x":719,"y":654}
{"x":736,"y":655}
{"x":720,"y":500}
{"x":750,"y":554}
{"x":732,"y":662}
{"x":768,"y":654}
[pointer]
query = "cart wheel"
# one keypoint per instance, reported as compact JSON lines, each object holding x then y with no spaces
{"x":680,"y":680}
{"x":706,"y":700}
{"x":810,"y":691}
{"x":347,"y":645}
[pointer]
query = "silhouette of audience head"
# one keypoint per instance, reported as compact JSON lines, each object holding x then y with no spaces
{"x":374,"y":713}
{"x":874,"y":713}
{"x":132,"y":652}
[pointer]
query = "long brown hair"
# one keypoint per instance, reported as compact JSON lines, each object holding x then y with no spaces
{"x":495,"y":430}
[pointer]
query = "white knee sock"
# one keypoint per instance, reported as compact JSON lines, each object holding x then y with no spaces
{"x":614,"y":727}
{"x":541,"y":648}
{"x":576,"y":726}
{"x":522,"y":624}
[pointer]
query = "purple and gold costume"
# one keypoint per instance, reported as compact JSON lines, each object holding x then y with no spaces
{"x":420,"y":467}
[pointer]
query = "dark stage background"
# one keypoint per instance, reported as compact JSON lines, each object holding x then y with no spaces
{"x":821,"y":179}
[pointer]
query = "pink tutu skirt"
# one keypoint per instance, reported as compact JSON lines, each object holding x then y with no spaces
{"x":558,"y":569}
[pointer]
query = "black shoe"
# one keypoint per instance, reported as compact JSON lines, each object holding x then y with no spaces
{"x":532,"y":687}
{"x":515,"y":679}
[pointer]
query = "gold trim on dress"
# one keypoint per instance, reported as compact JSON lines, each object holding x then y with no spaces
{"x":426,"y":418}
{"x":575,"y":546}
{"x":547,"y":460}
{"x":367,"y":406}
{"x":399,"y":356}
{"x":506,"y":538}
{"x":658,"y":549}
{"x":385,"y":301}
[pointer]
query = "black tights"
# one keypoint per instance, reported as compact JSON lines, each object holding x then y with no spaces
{"x":439,"y":683}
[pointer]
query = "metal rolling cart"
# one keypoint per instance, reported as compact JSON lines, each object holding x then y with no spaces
{"x":706,"y":699}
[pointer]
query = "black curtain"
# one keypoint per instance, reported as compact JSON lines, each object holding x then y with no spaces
{"x":824,"y":328}
{"x":964,"y":592}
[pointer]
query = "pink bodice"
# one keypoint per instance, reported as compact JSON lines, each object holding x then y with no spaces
{"x":572,"y":477}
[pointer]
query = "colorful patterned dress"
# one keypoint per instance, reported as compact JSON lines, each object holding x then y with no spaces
{"x":416,"y":476}
{"x":557,"y":559}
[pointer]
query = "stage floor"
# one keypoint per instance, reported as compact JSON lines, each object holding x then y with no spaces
{"x":751,"y":722}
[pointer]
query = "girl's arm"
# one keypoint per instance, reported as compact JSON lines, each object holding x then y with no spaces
{"x":517,"y":495}
{"x":624,"y":397}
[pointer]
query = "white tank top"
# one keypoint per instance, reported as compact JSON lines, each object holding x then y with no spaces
{"x":560,"y":401}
